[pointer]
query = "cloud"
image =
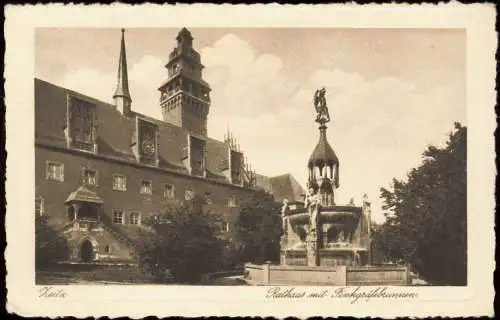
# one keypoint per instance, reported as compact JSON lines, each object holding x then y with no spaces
{"x":244,"y":82}
{"x":145,"y":77}
{"x":336,"y":79}
{"x":90,"y":82}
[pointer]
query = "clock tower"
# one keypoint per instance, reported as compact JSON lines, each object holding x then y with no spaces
{"x":185,"y":96}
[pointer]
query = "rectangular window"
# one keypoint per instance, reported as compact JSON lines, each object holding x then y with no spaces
{"x":146,"y":187}
{"x":55,"y":171}
{"x":208,"y":198}
{"x":119,"y":182}
{"x":169,"y":192}
{"x":90,"y":177}
{"x":39,"y":206}
{"x":135,"y":218}
{"x":118,"y":216}
{"x":189,"y":194}
{"x":232,"y":201}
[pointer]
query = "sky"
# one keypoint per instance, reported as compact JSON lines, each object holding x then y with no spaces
{"x":390,"y":92}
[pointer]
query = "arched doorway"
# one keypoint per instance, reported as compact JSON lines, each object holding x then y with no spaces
{"x":87,"y":251}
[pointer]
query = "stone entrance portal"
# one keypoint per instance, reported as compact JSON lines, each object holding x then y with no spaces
{"x":87,"y":251}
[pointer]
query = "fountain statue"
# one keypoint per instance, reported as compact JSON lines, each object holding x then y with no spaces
{"x":312,"y":205}
{"x":322,"y":114}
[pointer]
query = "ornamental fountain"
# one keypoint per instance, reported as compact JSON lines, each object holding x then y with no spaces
{"x":320,"y":232}
{"x":324,"y":243}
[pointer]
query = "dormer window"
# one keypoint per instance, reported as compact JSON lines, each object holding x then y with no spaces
{"x":147,"y":142}
{"x":148,"y":147}
{"x":81,"y":124}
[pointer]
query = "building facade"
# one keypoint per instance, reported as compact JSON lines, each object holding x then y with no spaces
{"x":101,"y":169}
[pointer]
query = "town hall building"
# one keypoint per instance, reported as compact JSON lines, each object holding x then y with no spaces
{"x":101,"y":169}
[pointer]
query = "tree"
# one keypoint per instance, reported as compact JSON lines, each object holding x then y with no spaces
{"x":258,"y":230}
{"x":186,"y":241}
{"x":426,"y":215}
{"x":48,"y":247}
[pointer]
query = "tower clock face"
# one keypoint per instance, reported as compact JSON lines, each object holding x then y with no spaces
{"x":148,"y":147}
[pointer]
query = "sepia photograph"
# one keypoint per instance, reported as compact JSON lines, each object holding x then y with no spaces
{"x":261,"y":160}
{"x":213,"y":156}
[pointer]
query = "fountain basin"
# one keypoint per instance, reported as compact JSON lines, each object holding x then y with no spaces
{"x":332,"y":215}
{"x":268,"y":274}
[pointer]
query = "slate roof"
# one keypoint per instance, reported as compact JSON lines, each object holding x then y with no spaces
{"x":116,"y":131}
{"x":282,"y":187}
{"x":285,"y":186}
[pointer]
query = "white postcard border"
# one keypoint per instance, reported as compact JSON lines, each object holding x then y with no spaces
{"x":80,"y":301}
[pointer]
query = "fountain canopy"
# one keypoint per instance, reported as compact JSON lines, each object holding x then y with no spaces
{"x":323,"y":154}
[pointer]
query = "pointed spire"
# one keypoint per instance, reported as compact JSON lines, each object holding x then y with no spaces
{"x":122,"y":93}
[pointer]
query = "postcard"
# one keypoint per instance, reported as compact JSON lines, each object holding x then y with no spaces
{"x":261,"y":160}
